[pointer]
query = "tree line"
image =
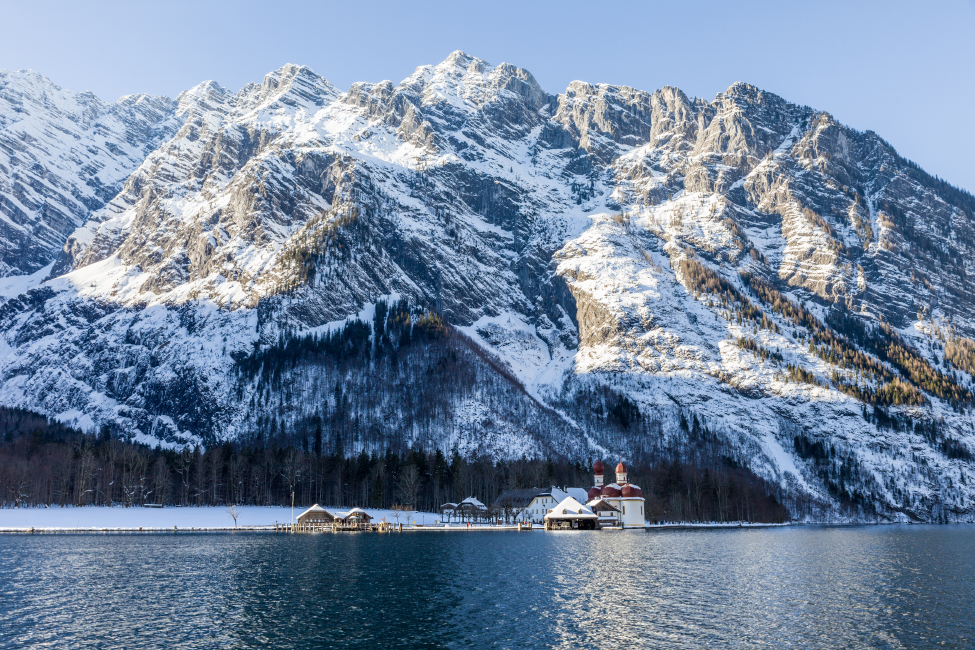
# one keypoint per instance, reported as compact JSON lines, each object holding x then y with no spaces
{"x":44,"y":463}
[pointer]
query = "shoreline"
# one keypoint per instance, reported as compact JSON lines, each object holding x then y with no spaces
{"x":254,"y":519}
{"x":283,"y":528}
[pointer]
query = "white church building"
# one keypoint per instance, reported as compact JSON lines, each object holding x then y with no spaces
{"x":626,"y":499}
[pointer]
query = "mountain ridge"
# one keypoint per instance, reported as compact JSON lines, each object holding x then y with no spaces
{"x":64,"y":155}
{"x":634,"y":259}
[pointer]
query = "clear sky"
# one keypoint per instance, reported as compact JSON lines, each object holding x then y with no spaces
{"x":903,"y":69}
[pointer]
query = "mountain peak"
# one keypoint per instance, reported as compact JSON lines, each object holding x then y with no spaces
{"x":298,"y":82}
{"x":206,"y":94}
{"x":28,"y":75}
{"x":461,"y":59}
{"x":290,"y":71}
{"x":464,"y":79}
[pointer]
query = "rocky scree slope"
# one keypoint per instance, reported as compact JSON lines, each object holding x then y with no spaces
{"x":615,"y":271}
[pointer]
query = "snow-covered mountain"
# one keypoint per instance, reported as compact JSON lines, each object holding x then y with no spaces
{"x":63,"y":155}
{"x":605,"y":270}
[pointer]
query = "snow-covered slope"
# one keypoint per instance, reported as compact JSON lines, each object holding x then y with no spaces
{"x":621,"y":271}
{"x":62,"y":156}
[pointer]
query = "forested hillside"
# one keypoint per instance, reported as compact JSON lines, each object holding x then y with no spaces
{"x":44,"y":463}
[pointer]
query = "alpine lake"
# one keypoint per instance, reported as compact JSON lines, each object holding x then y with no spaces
{"x":786,"y":587}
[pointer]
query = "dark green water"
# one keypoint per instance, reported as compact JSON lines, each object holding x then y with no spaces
{"x":809,"y":587}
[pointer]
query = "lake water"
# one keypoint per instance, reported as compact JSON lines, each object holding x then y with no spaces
{"x":802,"y":587}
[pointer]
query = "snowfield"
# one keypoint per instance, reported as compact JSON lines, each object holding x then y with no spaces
{"x":115,"y":518}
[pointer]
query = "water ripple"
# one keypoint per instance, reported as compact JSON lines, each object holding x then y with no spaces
{"x":814,"y":587}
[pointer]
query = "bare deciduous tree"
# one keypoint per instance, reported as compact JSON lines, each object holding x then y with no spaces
{"x":409,"y":485}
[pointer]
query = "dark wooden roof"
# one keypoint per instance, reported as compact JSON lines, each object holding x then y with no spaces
{"x":603,"y":506}
{"x":519,"y":498}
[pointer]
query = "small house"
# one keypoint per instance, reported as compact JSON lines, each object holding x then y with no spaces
{"x":469,"y":509}
{"x":531,"y":503}
{"x":609,"y":515}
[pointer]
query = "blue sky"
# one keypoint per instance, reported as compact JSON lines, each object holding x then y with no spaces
{"x":903,"y":69}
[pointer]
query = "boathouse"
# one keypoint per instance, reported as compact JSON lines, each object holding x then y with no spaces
{"x":569,"y":513}
{"x":315,"y":515}
{"x":355,"y":517}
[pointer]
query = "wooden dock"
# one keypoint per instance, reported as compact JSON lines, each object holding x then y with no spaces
{"x":337,"y":527}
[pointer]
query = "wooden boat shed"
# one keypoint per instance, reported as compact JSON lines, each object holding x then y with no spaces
{"x":355,"y":517}
{"x":314,"y":516}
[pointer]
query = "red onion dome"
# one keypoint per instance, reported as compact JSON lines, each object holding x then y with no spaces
{"x":594,"y":493}
{"x":621,"y":468}
{"x":630,"y":490}
{"x":611,"y":490}
{"x":597,"y":468}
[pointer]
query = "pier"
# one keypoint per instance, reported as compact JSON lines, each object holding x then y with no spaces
{"x":337,"y":526}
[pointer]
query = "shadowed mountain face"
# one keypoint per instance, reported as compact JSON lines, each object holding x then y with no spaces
{"x":602,"y":271}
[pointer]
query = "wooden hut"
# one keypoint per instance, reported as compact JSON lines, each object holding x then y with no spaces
{"x":315,"y":517}
{"x":356,"y":518}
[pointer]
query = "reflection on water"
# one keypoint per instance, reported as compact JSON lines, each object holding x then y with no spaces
{"x":868,"y":587}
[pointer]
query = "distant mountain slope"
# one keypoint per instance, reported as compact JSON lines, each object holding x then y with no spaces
{"x":622,"y":272}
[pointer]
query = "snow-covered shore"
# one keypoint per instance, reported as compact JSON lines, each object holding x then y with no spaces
{"x":101,"y":518}
{"x":118,"y":518}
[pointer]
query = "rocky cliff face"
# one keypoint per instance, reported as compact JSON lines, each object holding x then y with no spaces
{"x":64,"y":155}
{"x":618,"y":270}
